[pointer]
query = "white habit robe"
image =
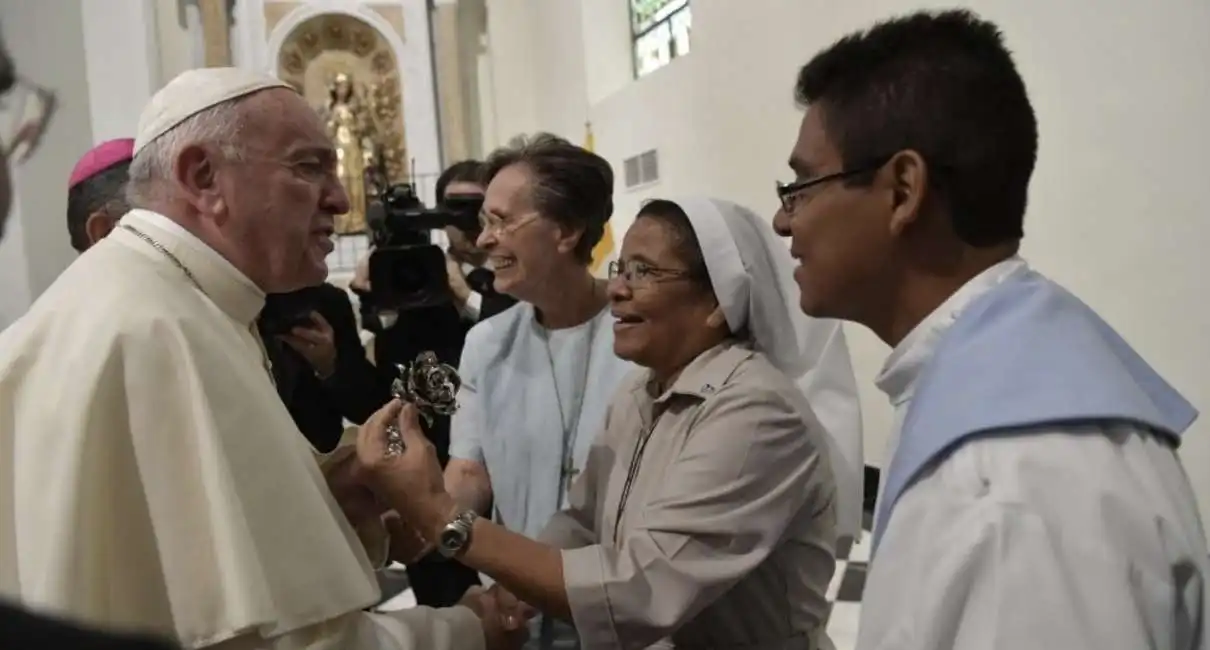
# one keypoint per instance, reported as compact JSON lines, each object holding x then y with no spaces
{"x":152,"y":480}
{"x":1082,"y":535}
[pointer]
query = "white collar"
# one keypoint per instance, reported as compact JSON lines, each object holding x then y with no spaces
{"x":225,"y":285}
{"x":902,"y":367}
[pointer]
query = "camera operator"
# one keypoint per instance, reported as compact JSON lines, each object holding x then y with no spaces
{"x":319,"y":363}
{"x":470,"y":280}
{"x":440,"y":328}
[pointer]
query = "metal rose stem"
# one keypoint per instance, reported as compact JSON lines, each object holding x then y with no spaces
{"x":428,"y":384}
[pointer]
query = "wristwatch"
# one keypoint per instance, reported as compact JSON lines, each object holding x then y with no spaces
{"x":456,"y":535}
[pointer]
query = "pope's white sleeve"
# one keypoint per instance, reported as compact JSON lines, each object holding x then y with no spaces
{"x":424,"y":628}
{"x":417,"y":628}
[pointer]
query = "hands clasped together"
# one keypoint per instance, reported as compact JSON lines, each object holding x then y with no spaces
{"x":408,"y":492}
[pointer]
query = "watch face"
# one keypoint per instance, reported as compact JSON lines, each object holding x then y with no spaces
{"x":452,"y":541}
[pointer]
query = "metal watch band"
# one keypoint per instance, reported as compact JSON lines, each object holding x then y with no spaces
{"x":457,"y":534}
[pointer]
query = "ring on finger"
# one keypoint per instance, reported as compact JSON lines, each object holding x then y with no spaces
{"x":395,"y":444}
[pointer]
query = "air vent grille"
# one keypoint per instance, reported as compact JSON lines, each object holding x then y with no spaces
{"x":642,"y":169}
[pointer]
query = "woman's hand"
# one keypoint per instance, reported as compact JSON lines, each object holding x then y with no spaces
{"x":410,"y":483}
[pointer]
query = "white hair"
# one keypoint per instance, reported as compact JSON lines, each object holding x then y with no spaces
{"x":153,"y":164}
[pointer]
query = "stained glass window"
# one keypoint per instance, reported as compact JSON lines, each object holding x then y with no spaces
{"x":660,"y":32}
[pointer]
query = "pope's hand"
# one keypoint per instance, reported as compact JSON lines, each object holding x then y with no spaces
{"x":510,"y":605}
{"x":407,"y":544}
{"x":411,"y":482}
{"x":344,"y":480}
{"x":504,"y":627}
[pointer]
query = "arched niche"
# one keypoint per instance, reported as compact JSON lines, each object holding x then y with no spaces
{"x":319,"y":48}
{"x":258,"y":43}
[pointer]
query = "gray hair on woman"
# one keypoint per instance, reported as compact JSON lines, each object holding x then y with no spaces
{"x":571,"y":185}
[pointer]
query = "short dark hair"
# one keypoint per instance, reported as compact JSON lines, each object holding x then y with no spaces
{"x":104,"y":191}
{"x":944,"y":85}
{"x":571,"y":185}
{"x":688,"y":247}
{"x":465,"y":171}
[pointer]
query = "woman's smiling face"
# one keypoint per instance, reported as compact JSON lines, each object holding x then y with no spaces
{"x":664,"y":308}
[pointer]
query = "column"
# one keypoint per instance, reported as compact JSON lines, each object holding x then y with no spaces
{"x":512,"y":67}
{"x":447,"y":60}
{"x":45,"y":39}
{"x":121,"y":55}
{"x":215,"y":32}
{"x":420,"y":114}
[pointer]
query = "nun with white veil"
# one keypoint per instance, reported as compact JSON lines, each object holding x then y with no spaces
{"x":709,"y":508}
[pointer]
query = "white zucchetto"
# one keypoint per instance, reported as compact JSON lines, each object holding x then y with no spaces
{"x":192,"y":92}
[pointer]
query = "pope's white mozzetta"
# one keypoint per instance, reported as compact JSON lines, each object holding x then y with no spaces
{"x":151,"y":479}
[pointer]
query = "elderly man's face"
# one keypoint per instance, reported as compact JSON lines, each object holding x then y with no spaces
{"x":282,"y":198}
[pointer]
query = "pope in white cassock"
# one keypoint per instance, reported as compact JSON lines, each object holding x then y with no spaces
{"x":1034,"y":498}
{"x":150,"y":477}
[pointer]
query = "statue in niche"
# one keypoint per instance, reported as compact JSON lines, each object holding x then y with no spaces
{"x":311,"y":58}
{"x":350,"y":124}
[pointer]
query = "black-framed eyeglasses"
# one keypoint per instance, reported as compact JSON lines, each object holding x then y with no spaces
{"x":636,"y":273}
{"x":789,"y":193}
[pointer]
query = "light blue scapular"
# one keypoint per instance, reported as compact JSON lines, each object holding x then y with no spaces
{"x":1026,"y":355}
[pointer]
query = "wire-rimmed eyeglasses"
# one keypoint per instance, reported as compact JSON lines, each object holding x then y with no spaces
{"x":638,"y":273}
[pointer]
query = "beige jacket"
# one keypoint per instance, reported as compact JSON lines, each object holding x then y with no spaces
{"x":726,"y":536}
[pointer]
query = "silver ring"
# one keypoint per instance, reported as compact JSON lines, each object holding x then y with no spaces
{"x":395,"y":444}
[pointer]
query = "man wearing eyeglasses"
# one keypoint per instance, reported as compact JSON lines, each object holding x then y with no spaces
{"x":1034,"y":497}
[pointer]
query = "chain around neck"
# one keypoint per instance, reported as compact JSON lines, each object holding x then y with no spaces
{"x":163,"y":251}
{"x":596,"y":292}
{"x":566,"y":469}
{"x":176,"y":261}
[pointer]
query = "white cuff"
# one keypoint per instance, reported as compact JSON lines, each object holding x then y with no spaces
{"x":473,"y":306}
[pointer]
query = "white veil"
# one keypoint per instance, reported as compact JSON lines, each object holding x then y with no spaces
{"x":753,"y":277}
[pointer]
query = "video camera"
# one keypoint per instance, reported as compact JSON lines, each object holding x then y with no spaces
{"x":406,"y":269}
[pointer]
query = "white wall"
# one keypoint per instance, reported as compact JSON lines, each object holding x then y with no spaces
{"x":122,"y":62}
{"x":180,"y":44}
{"x":46,"y":40}
{"x":1118,"y":203}
{"x":414,"y":54}
{"x":100,"y":59}
{"x":14,"y":268}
